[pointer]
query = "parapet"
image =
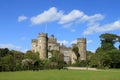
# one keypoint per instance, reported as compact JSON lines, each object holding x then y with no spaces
{"x":42,"y":35}
{"x":34,"y":40}
{"x":74,"y":45}
{"x":81,"y":40}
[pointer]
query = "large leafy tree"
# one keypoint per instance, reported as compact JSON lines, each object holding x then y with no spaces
{"x":108,"y":40}
{"x":31,"y":55}
{"x":115,"y":57}
{"x":107,"y":54}
{"x":4,"y":52}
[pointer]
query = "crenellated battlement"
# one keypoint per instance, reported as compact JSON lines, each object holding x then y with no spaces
{"x":81,"y":40}
{"x":42,"y":35}
{"x":34,"y":40}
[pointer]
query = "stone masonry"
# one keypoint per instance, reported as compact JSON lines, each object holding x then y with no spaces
{"x":44,"y":44}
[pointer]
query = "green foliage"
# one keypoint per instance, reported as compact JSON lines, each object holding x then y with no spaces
{"x":32,"y":55}
{"x":10,"y":59}
{"x":82,"y":63}
{"x":115,"y":56}
{"x":108,"y":38}
{"x":3,"y":52}
{"x":57,"y":60}
{"x":106,"y":56}
{"x":76,"y":51}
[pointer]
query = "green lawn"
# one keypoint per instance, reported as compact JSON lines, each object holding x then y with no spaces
{"x":61,"y":75}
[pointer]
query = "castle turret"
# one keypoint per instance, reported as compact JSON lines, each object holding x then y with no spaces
{"x":81,"y":42}
{"x":42,"y":45}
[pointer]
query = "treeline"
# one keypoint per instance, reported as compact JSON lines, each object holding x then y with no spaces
{"x":11,"y":60}
{"x":108,"y":54}
{"x":105,"y":56}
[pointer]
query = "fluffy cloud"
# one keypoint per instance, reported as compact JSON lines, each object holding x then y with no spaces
{"x":22,"y":18}
{"x":73,"y":42}
{"x":92,"y":22}
{"x":10,"y":46}
{"x":91,"y":19}
{"x":73,"y":30}
{"x":89,"y":41}
{"x":95,"y":28}
{"x":63,"y":42}
{"x":70,"y":17}
{"x":75,"y":16}
{"x":13,"y":47}
{"x":47,"y":16}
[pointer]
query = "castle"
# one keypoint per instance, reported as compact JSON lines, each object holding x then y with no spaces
{"x":45,"y":44}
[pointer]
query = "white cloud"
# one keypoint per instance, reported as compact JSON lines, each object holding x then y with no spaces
{"x":23,"y":38}
{"x":95,"y":28}
{"x":52,"y":14}
{"x":70,"y":17}
{"x":22,"y":18}
{"x":91,"y":19}
{"x":13,"y":47}
{"x":67,"y":25}
{"x":73,"y":30}
{"x":93,"y":51}
{"x":89,"y":41}
{"x":63,"y":42}
{"x":73,"y":42}
{"x":10,"y":46}
{"x":47,"y":16}
{"x":25,"y":50}
{"x":92,"y":22}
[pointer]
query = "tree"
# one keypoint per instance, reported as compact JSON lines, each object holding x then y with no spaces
{"x":101,"y":60}
{"x":57,"y":60}
{"x":108,"y":41}
{"x":107,"y":55}
{"x":3,"y":52}
{"x":115,"y":57}
{"x":31,"y":55}
{"x":7,"y":63}
{"x":27,"y":64}
{"x":76,"y":51}
{"x":108,"y":38}
{"x":55,"y":54}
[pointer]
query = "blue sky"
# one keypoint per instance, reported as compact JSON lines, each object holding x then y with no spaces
{"x":22,"y":20}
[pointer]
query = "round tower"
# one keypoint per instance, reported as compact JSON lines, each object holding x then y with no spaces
{"x":81,"y":42}
{"x":42,"y":45}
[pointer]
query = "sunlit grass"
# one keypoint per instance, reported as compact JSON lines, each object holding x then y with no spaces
{"x":61,"y":75}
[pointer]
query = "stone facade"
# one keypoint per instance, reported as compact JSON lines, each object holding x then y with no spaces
{"x":45,"y":44}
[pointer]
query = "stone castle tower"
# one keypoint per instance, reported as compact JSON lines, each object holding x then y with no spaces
{"x":81,"y":43}
{"x":40,"y":45}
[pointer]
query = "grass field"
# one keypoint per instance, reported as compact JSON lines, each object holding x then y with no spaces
{"x":61,"y":75}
